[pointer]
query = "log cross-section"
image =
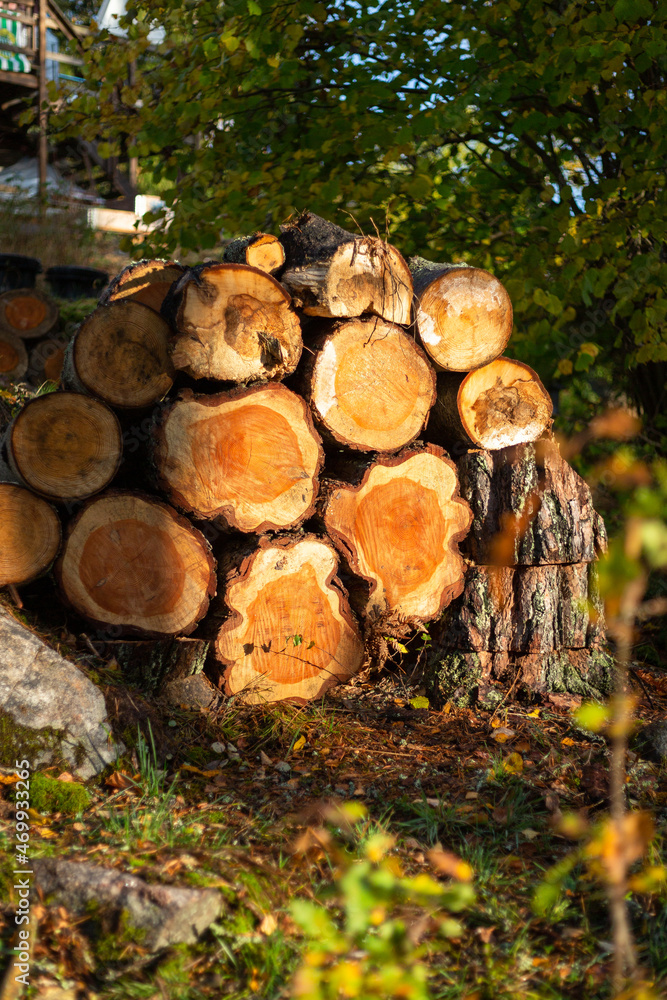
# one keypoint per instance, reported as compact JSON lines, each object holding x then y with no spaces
{"x":290,"y":633}
{"x":131,"y":563}
{"x":399,"y":528}
{"x":27,"y":313}
{"x":248,"y":457}
{"x":145,"y":281}
{"x":29,"y":535}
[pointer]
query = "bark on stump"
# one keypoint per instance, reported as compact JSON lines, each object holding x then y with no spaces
{"x":233,"y":323}
{"x":398,"y":529}
{"x":249,"y":458}
{"x":153,"y":664}
{"x":27,"y":313}
{"x":64,"y":446}
{"x":290,"y":633}
{"x":146,"y":281}
{"x":132,"y":564}
{"x":330,"y":272}
{"x":496,"y":406}
{"x":259,"y":250}
{"x":30,"y":535}
{"x":463,"y":314}
{"x":369,"y":385}
{"x":13,"y":358}
{"x":121,"y":355}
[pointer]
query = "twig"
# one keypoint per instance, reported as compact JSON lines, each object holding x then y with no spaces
{"x":14,"y":594}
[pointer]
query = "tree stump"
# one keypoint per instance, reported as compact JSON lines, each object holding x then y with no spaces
{"x":290,"y":633}
{"x":131,"y":563}
{"x":501,"y":404}
{"x":259,"y":250}
{"x":64,"y":446}
{"x":30,"y":535}
{"x":233,"y":323}
{"x":249,"y":458}
{"x":27,"y":313}
{"x":463,"y":314}
{"x":330,"y":272}
{"x":369,"y":385}
{"x":398,"y":528}
{"x":121,"y":355}
{"x":145,"y":281}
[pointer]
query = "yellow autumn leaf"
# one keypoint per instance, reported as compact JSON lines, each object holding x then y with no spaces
{"x":535,"y":714}
{"x":299,"y":745}
{"x":501,"y":737}
{"x":513,"y":763}
{"x":567,"y":742}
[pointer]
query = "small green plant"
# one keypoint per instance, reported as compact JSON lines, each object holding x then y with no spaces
{"x":48,"y":795}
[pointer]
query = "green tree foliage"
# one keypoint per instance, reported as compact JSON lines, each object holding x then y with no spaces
{"x":524,"y":136}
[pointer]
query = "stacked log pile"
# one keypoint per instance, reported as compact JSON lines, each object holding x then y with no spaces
{"x":276,"y":429}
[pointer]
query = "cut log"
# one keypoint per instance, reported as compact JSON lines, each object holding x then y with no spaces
{"x":248,"y":457}
{"x":27,"y":313}
{"x":151,"y":665}
{"x":333,"y":273}
{"x":13,"y":358}
{"x":234,"y":323}
{"x":121,"y":355}
{"x":369,"y":385}
{"x":501,"y":404}
{"x":463,"y":314}
{"x":524,"y":609}
{"x":530,"y":508}
{"x":46,"y":361}
{"x":290,"y":634}
{"x":398,"y":529}
{"x":132,"y":563}
{"x":259,"y":250}
{"x":64,"y":446}
{"x":145,"y":281}
{"x":30,"y":535}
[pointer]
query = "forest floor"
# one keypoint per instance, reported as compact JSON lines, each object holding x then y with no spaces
{"x":278,"y":804}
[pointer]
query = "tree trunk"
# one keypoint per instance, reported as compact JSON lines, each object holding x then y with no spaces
{"x":464,"y":314}
{"x":369,"y":385}
{"x":64,"y":446}
{"x":30,"y":535}
{"x":145,"y":281}
{"x":234,"y":323}
{"x":121,"y":355}
{"x":398,"y":529}
{"x":248,"y":457}
{"x":530,"y":508}
{"x":259,"y":250}
{"x":332,"y":273}
{"x":151,"y":665}
{"x":501,"y":404}
{"x":27,"y":313}
{"x":524,"y":609}
{"x":290,"y":633}
{"x":13,"y":358}
{"x":132,"y":564}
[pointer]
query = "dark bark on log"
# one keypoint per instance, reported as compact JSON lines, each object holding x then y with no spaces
{"x":333,"y":273}
{"x":524,"y":609}
{"x":259,"y":250}
{"x":152,"y":665}
{"x":145,"y":281}
{"x":290,"y":634}
{"x":502,"y":487}
{"x":27,"y":313}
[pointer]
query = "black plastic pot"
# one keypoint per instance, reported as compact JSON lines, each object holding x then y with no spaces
{"x":76,"y":282}
{"x":17,"y":271}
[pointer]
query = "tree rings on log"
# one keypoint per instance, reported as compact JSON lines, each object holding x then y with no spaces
{"x":46,"y":361}
{"x":30,"y":535}
{"x":332,"y":273}
{"x":369,"y":385}
{"x":260,"y":250}
{"x":132,"y":563}
{"x":13,"y":358}
{"x":464,"y":314}
{"x":530,"y":508}
{"x":121,"y":354}
{"x":250,"y":457}
{"x":399,"y":531}
{"x":524,"y":609}
{"x":145,"y":281}
{"x":290,"y":634}
{"x":27,"y":313}
{"x":501,"y":404}
{"x":65,"y":446}
{"x":234,"y":323}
